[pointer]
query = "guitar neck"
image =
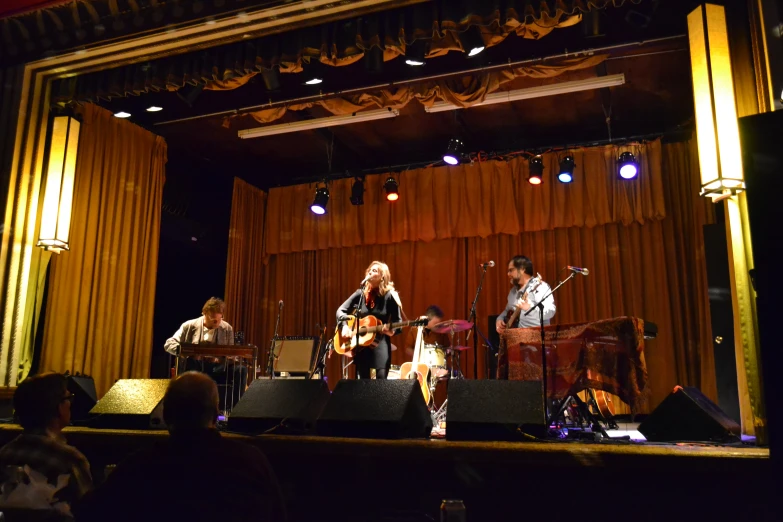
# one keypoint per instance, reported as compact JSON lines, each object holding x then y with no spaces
{"x":392,"y":326}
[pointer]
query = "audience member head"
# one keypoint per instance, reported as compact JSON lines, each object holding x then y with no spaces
{"x":190,"y":403}
{"x":42,"y":403}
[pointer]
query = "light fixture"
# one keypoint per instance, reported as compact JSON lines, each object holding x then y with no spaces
{"x":538,"y":92}
{"x":318,"y":123}
{"x":373,"y":60}
{"x":627,"y":166}
{"x":271,"y":78}
{"x":536,"y":165}
{"x":717,"y":132}
{"x":122,"y":114}
{"x":320,"y":201}
{"x":472,"y":42}
{"x":58,"y":192}
{"x":154,"y":108}
{"x":313,"y":81}
{"x":392,"y":189}
{"x":416,"y":53}
{"x":566,"y":174}
{"x":453,"y":152}
{"x":357,"y":192}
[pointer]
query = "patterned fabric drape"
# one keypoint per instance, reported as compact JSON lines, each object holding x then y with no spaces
{"x":101,"y":302}
{"x":478,"y":200}
{"x":428,"y":30}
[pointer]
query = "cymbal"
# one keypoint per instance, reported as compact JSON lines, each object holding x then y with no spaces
{"x":452,"y":326}
{"x":460,"y":348}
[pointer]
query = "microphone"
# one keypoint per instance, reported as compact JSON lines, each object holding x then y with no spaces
{"x":366,"y":278}
{"x":280,"y":304}
{"x":578,"y":270}
{"x":488,"y":265}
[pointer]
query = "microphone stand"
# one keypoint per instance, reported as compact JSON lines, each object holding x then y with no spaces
{"x":540,"y":306}
{"x":476,"y":330}
{"x":271,"y":360}
{"x":358,"y":314}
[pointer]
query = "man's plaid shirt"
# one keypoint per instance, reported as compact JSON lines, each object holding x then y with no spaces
{"x":52,"y":458}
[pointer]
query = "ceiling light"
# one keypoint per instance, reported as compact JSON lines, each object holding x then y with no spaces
{"x":453,"y":152}
{"x":627,"y":166}
{"x":538,"y":92}
{"x":313,"y":81}
{"x":416,"y":53}
{"x":122,"y":114}
{"x":271,"y":78}
{"x":566,"y":174}
{"x":318,"y":123}
{"x":414,"y":63}
{"x":320,"y":201}
{"x":392,"y":189}
{"x":357,"y":192}
{"x":154,"y":108}
{"x":472,"y":42}
{"x":536,"y":164}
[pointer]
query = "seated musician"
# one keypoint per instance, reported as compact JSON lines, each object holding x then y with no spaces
{"x":435,"y":316}
{"x":526,"y":291}
{"x":210,"y":329}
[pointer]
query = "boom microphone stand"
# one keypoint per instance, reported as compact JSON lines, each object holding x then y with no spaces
{"x":472,"y":319}
{"x":540,"y":306}
{"x":270,"y":364}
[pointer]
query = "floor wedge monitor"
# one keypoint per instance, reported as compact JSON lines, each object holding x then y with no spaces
{"x":134,"y":404}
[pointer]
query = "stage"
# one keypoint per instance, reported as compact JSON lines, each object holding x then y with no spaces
{"x":324,"y":478}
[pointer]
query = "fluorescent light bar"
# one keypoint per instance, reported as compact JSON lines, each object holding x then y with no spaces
{"x":319,"y":123}
{"x":539,"y":92}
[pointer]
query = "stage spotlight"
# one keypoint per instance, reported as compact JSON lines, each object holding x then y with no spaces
{"x":627,"y":166}
{"x":357,"y":192}
{"x":392,"y":189}
{"x":373,"y":60}
{"x":536,"y":164}
{"x":472,"y":42}
{"x":453,"y":151}
{"x":313,"y":81}
{"x":190,"y":93}
{"x":566,"y":174}
{"x":154,"y":108}
{"x":122,"y":114}
{"x":320,"y":201}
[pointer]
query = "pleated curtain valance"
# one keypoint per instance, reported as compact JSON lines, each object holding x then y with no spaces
{"x":478,"y":200}
{"x":438,"y":27}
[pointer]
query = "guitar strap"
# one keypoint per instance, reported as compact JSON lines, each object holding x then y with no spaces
{"x":396,"y":298}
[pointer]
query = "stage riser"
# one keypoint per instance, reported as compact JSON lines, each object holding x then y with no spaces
{"x":323,"y":478}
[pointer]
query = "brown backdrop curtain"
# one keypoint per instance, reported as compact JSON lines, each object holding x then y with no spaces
{"x":642,"y":242}
{"x":101,"y":302}
{"x":245,"y":269}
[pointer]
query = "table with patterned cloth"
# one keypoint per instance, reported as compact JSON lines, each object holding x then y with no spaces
{"x":605,"y":355}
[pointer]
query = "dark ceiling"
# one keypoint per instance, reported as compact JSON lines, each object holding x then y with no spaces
{"x":655,"y":99}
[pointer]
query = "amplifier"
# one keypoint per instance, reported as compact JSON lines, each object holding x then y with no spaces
{"x":295,"y":354}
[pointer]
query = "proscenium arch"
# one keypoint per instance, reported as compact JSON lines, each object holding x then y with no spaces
{"x":20,"y":259}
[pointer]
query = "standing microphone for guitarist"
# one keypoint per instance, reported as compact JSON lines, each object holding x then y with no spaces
{"x":270,"y":369}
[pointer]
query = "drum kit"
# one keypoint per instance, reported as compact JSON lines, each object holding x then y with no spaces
{"x":442,"y":361}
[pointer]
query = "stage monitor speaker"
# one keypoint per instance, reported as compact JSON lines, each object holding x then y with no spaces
{"x":84,"y":397}
{"x":134,"y":404}
{"x":494,"y":410}
{"x":687,"y":415}
{"x":295,"y":354}
{"x":293,"y":404}
{"x":376,"y":409}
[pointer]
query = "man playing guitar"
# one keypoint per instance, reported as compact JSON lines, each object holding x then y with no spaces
{"x":526,"y":291}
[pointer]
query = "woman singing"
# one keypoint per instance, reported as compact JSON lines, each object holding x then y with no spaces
{"x":380,"y":300}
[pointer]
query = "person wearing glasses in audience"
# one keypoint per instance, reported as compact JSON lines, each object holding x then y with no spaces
{"x":42,"y":405}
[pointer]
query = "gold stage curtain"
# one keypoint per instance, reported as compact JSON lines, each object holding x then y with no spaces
{"x":439,"y":26}
{"x":480,"y":200}
{"x":645,"y":264}
{"x":244,"y":270}
{"x":99,"y":312}
{"x":460,"y":91}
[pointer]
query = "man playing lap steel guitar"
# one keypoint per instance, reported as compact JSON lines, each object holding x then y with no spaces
{"x":526,"y":291}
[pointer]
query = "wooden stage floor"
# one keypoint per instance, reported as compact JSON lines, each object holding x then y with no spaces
{"x":405,"y":480}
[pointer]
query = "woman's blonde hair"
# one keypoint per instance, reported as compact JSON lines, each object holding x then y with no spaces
{"x":387,"y":285}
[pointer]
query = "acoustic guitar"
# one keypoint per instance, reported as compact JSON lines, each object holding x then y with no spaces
{"x":416,"y":369}
{"x":369,"y":328}
{"x":513,"y":316}
{"x":603,"y":401}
